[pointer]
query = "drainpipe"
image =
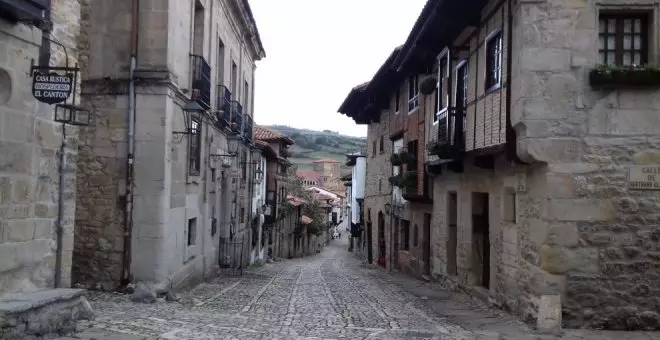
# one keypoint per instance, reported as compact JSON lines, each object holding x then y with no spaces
{"x":60,"y":211}
{"x":130,"y":159}
{"x":47,"y":27}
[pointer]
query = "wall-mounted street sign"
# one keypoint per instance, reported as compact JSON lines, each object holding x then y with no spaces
{"x":52,"y":87}
{"x":644,"y":177}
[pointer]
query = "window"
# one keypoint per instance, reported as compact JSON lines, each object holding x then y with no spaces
{"x":509,"y":205}
{"x":412,"y":149}
{"x":243,"y":166}
{"x":380,"y":185}
{"x":212,"y":175}
{"x":493,"y":60}
{"x":397,"y":101}
{"x":246,"y":96}
{"x":413,"y":94}
{"x":405,"y":230}
{"x":373,"y":146}
{"x":623,"y":39}
{"x":415,"y":236}
{"x":234,"y":79}
{"x":382,"y":144}
{"x":441,"y":98}
{"x":192,"y":231}
{"x":195,"y":146}
{"x":221,"y":62}
{"x":242,"y":217}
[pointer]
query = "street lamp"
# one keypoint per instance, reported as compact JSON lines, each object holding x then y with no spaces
{"x":192,"y":113}
{"x":232,"y":148}
{"x":71,"y":115}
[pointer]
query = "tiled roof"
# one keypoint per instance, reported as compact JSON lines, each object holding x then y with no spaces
{"x":326,"y":161}
{"x":295,"y":201}
{"x":309,"y":175}
{"x":305,"y":220}
{"x":264,"y":134}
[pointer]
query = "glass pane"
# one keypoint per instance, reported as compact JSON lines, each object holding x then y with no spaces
{"x":627,"y":40}
{"x":626,"y":59}
{"x":610,"y":42}
{"x":638,"y":25}
{"x":610,"y":58}
{"x":637,"y":42}
{"x":601,"y":26}
{"x":627,"y":25}
{"x":601,"y":57}
{"x":637,"y":58}
{"x":611,"y":25}
{"x":601,"y":42}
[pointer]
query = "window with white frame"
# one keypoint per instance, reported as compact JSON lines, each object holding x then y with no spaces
{"x":397,"y":101}
{"x":493,"y":60}
{"x":413,"y":93}
{"x":442,"y":90}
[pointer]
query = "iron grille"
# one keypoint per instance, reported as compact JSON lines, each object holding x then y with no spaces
{"x":223,"y":105}
{"x":230,"y":257}
{"x":247,"y":129}
{"x":201,"y":80}
{"x":236,"y":117}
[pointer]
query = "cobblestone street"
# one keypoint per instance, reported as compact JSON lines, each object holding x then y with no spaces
{"x":328,"y":296}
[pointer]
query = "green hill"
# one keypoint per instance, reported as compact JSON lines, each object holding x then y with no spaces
{"x":314,"y":145}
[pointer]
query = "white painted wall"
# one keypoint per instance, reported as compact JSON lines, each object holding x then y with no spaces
{"x":397,"y":194}
{"x":358,"y":183}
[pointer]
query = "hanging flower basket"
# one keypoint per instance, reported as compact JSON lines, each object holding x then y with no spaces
{"x":442,"y":150}
{"x":407,"y":158}
{"x":404,"y":181}
{"x":395,"y":159}
{"x":428,"y":85}
{"x":607,"y":76}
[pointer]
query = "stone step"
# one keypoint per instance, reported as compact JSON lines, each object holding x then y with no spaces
{"x":41,"y":313}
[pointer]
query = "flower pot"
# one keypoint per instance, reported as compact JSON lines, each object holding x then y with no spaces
{"x":428,"y":85}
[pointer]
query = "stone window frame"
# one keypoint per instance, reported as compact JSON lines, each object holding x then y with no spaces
{"x":649,"y":6}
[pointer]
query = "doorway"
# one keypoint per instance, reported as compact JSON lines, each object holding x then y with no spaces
{"x":426,"y":245}
{"x":382,"y":250}
{"x":452,"y":233}
{"x":395,"y":249}
{"x":480,"y":239}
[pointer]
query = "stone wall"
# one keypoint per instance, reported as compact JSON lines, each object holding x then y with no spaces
{"x":606,"y":263}
{"x":377,"y":188}
{"x":168,"y":197}
{"x":29,"y":149}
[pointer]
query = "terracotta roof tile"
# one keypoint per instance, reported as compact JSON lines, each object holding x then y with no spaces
{"x":309,"y":175}
{"x":305,"y":220}
{"x":264,"y":134}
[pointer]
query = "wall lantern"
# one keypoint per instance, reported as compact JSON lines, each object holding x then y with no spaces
{"x":388,"y":208}
{"x":192,"y":114}
{"x":72,"y":115}
{"x":232,"y":148}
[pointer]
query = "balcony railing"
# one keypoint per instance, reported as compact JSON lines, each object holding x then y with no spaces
{"x":451,"y":135}
{"x":223,"y":106}
{"x":200,"y":80}
{"x":247,"y":129}
{"x":29,"y":11}
{"x":236,"y":119}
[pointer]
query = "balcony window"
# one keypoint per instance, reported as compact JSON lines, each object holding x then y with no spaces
{"x":201,"y":81}
{"x":236,"y":120}
{"x":413,"y":94}
{"x":223,"y":104}
{"x":412,"y":149}
{"x":195,"y":146}
{"x":441,"y":98}
{"x":382,"y":144}
{"x":397,"y":101}
{"x":493,"y":60}
{"x":623,"y":39}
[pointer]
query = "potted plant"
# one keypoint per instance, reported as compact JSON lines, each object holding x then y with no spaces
{"x":428,"y":85}
{"x":610,"y":76}
{"x":442,"y":150}
{"x":395,"y":159}
{"x":407,"y":157}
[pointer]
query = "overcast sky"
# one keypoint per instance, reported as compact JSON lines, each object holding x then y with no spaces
{"x":317,"y":50}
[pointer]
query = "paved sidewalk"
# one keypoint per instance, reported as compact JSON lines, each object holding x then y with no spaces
{"x":331,"y":295}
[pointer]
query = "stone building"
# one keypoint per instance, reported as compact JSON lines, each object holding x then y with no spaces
{"x":37,"y":170}
{"x":274,"y":146}
{"x":159,"y":188}
{"x":30,"y":142}
{"x":542,"y":144}
{"x":329,"y":173}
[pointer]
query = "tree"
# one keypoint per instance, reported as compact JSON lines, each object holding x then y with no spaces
{"x":313,"y":207}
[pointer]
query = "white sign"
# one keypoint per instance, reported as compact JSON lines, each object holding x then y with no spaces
{"x":644,"y":177}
